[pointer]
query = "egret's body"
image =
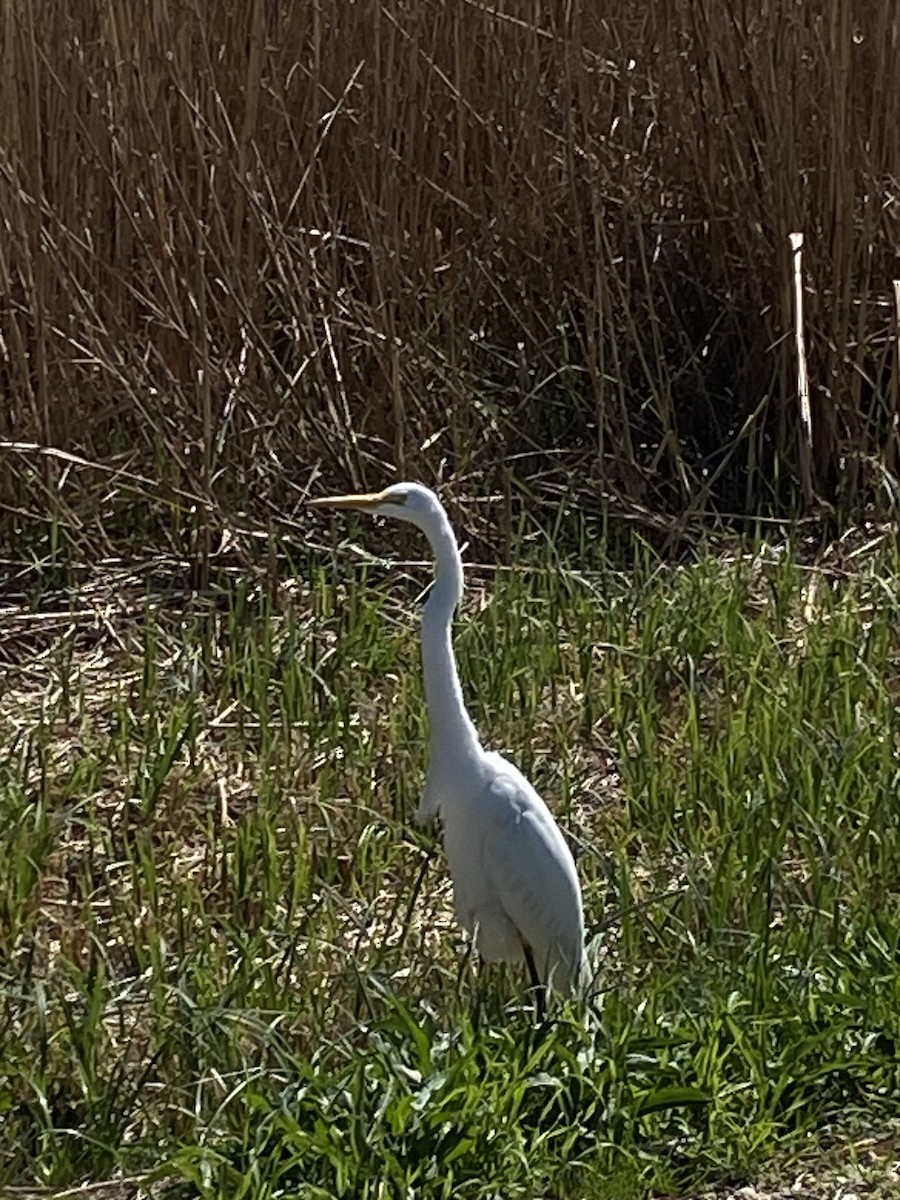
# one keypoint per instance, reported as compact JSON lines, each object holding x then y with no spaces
{"x":515,"y":887}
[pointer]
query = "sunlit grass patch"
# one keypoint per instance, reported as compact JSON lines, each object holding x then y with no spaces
{"x":228,"y":955}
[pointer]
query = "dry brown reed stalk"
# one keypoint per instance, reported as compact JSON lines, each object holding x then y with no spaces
{"x":243,"y":244}
{"x":806,"y":424}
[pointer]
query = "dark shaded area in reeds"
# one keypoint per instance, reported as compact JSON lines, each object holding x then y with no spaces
{"x":518,"y":244}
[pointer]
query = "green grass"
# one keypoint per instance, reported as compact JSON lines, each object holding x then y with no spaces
{"x":228,"y":961}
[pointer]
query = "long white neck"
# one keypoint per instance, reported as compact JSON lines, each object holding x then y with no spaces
{"x":449,"y":722}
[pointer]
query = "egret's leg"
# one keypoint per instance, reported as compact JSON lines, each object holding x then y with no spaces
{"x":540,"y":992}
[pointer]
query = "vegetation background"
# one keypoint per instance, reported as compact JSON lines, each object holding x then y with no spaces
{"x":244,"y":243}
{"x":539,"y":253}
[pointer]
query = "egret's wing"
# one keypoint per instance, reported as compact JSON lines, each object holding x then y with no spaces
{"x":531,"y":872}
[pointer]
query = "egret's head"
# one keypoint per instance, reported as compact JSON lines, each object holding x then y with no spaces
{"x":406,"y":501}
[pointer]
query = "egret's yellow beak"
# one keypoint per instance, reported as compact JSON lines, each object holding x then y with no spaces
{"x":365,"y":502}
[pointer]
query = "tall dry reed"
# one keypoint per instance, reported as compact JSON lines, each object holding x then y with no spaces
{"x":244,"y":243}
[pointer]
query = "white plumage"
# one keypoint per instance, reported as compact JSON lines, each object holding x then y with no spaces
{"x":515,"y":887}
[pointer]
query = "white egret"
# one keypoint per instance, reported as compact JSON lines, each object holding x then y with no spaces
{"x":515,"y":887}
